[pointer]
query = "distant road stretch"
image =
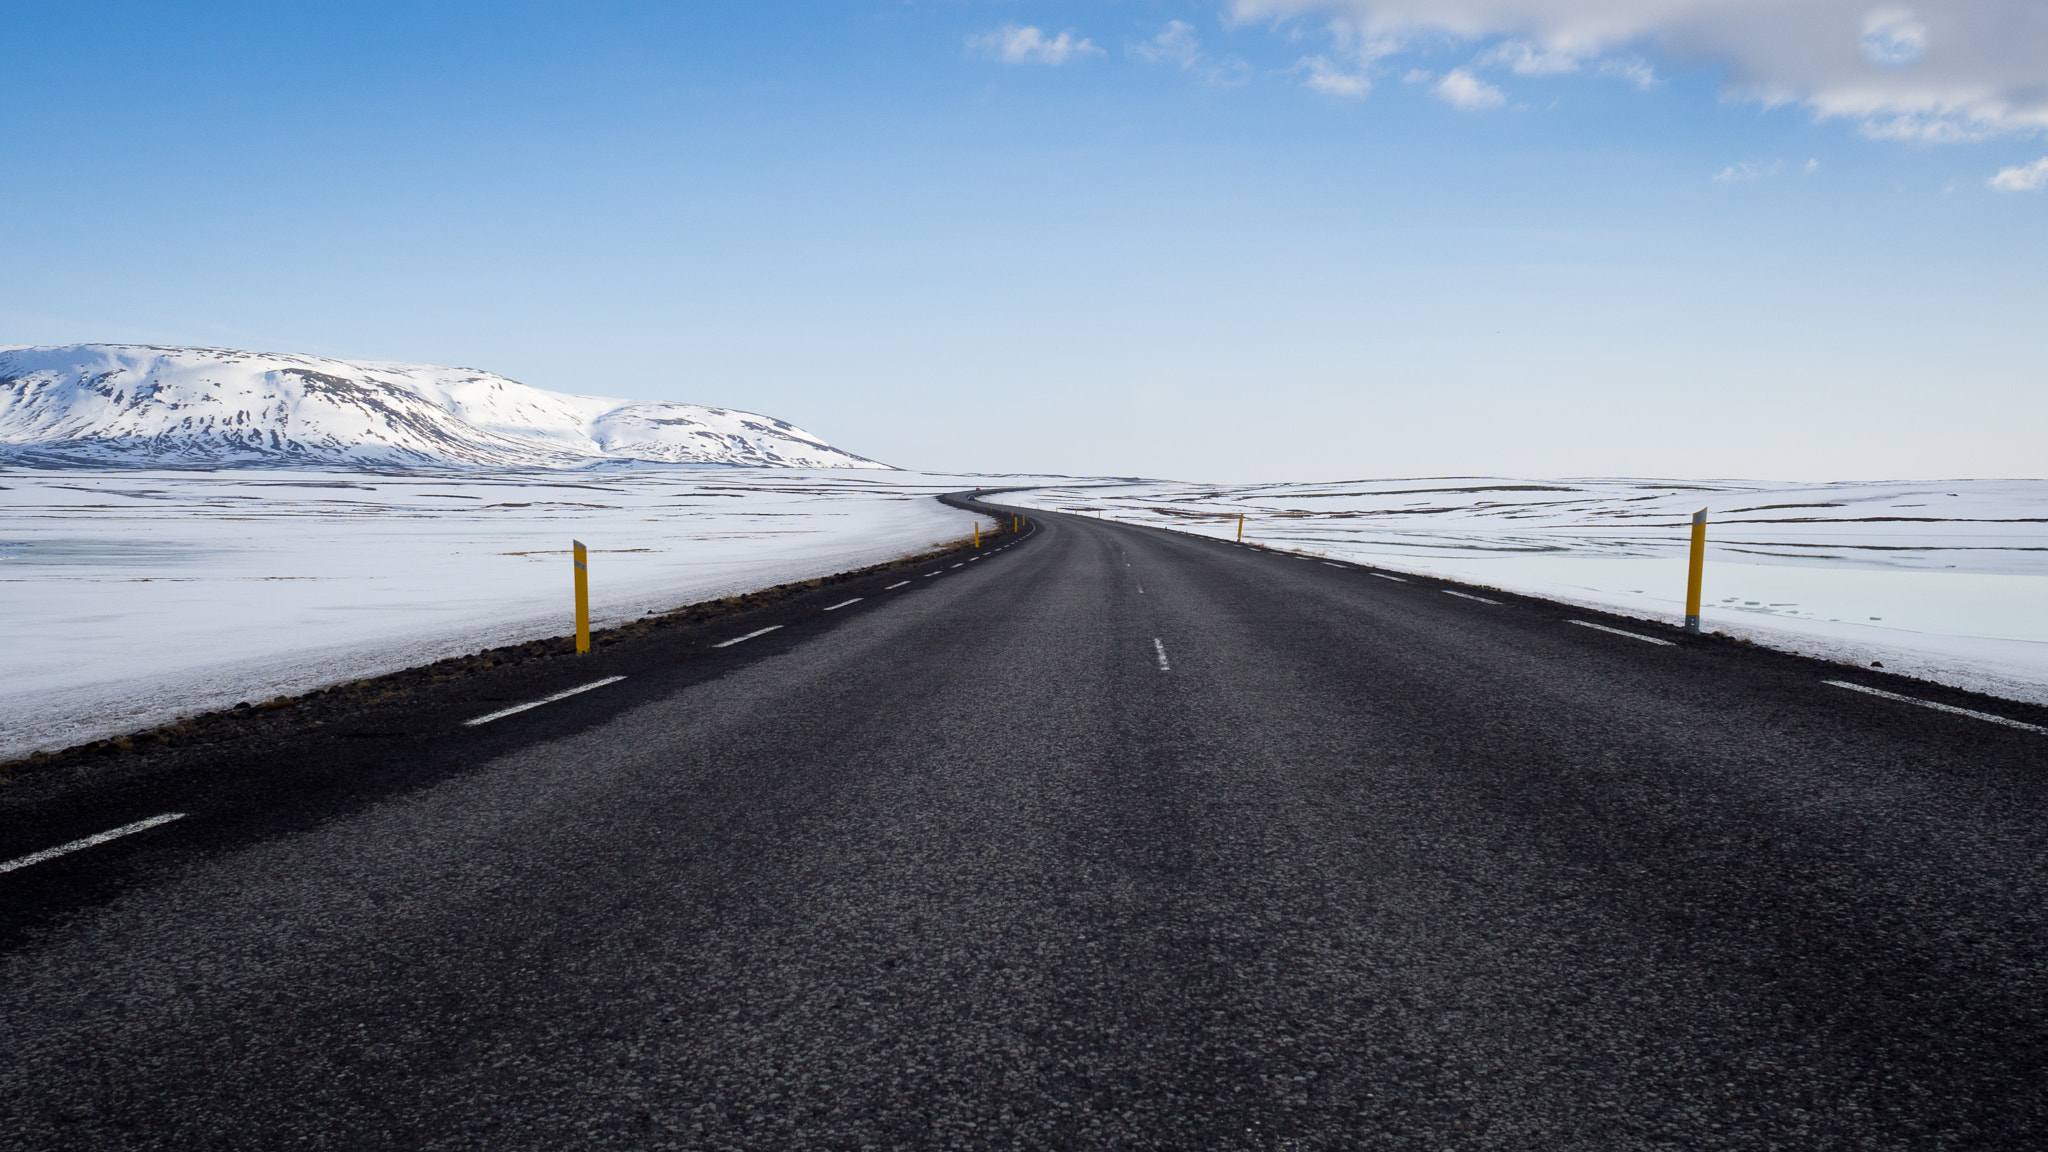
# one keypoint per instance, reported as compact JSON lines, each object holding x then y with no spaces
{"x":1110,"y":839}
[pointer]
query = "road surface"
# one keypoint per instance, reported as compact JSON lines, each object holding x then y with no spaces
{"x":1110,"y":839}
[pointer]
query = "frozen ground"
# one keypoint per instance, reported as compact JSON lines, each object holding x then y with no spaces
{"x":1946,"y":580}
{"x":133,"y":598}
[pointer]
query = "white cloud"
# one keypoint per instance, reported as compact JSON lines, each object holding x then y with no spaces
{"x":1028,"y":45}
{"x":1175,"y":44}
{"x":2022,"y":177}
{"x":1746,"y":171}
{"x":1330,"y":80}
{"x":1951,"y":70}
{"x":1467,"y":93}
{"x":1812,"y":166}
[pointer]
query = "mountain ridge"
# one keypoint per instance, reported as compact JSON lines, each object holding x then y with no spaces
{"x":147,"y":405}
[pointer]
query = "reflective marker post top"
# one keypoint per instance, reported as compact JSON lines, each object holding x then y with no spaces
{"x":1695,"y":571}
{"x":582,"y":598}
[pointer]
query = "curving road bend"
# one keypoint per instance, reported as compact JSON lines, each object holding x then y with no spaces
{"x":1111,"y":839}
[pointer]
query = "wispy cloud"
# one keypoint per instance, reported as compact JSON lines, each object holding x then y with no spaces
{"x":1467,"y":93}
{"x":1332,"y":80}
{"x":1014,"y":44}
{"x":1630,"y":69}
{"x":2022,"y":177}
{"x":1934,"y":71}
{"x":1177,"y":46}
{"x":1526,"y":59}
{"x":1749,"y":170}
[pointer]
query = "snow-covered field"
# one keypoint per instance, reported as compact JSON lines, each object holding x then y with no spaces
{"x":133,"y":598}
{"x":1946,"y":580}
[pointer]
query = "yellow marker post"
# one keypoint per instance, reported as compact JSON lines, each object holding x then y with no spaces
{"x":977,"y":533}
{"x":1240,"y":528}
{"x":582,"y":598}
{"x":1695,"y":572}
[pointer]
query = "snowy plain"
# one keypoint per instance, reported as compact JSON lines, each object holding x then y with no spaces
{"x":1946,"y":580}
{"x":133,"y":598}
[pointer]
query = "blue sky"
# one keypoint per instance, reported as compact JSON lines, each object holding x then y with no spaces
{"x":1282,"y":239}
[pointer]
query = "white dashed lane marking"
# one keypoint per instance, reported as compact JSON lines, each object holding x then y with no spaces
{"x":1972,"y":713}
{"x":844,"y":603}
{"x":748,"y":636}
{"x":1619,"y":632}
{"x":1467,"y":596}
{"x":898,"y":584}
{"x":1160,"y":648}
{"x":501,"y":713}
{"x":89,"y":841}
{"x":1395,"y":579}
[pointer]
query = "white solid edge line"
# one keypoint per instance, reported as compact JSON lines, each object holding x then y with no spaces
{"x":1937,"y":706}
{"x":1395,"y":579}
{"x":748,"y":636}
{"x":562,"y":695}
{"x":1160,"y":648}
{"x":1467,"y":596}
{"x":1619,"y":632}
{"x":89,"y":841}
{"x":898,"y":584}
{"x":844,"y":603}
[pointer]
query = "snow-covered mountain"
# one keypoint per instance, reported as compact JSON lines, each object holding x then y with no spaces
{"x":139,"y":405}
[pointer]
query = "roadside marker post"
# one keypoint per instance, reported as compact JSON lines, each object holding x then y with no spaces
{"x":977,"y":533}
{"x":582,"y":598}
{"x":1695,"y":571}
{"x":1240,"y":528}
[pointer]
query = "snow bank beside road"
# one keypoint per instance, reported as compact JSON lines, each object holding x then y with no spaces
{"x":1947,"y":581}
{"x":133,"y":598}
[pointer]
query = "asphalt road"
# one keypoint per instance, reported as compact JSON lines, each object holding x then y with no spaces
{"x":1111,"y":839}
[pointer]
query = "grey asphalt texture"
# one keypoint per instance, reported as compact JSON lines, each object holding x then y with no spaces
{"x":963,"y":866}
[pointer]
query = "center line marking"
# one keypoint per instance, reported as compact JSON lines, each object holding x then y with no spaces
{"x":748,"y":636}
{"x":1619,"y":632}
{"x":1467,"y":596}
{"x":844,"y":603}
{"x":898,"y":584}
{"x":962,"y":564}
{"x":563,"y":695}
{"x":1161,"y":649}
{"x":1395,"y":579}
{"x":1936,"y":706}
{"x":1334,"y":564}
{"x":89,"y":841}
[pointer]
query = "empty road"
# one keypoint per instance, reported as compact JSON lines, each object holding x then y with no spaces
{"x":1110,"y":839}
